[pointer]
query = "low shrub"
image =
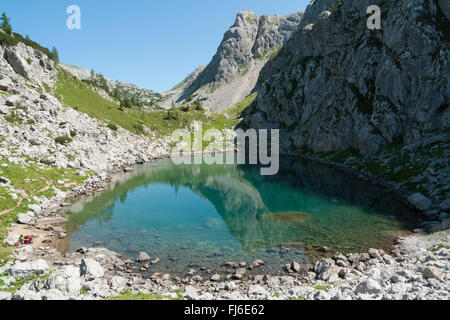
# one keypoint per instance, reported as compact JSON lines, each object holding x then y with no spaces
{"x":113,"y":126}
{"x":63,"y":140}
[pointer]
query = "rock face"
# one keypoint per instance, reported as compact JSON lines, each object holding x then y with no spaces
{"x":244,"y":50}
{"x":94,"y":146}
{"x":337,"y":85}
{"x":31,"y":63}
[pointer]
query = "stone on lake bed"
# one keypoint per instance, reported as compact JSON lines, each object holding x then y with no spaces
{"x":143,"y":257}
{"x":287,"y":218}
{"x":256,"y":264}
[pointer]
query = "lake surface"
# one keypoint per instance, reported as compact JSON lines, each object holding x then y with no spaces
{"x":194,"y":216}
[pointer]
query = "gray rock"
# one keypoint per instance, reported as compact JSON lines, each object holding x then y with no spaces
{"x":66,"y":280}
{"x":91,"y":269}
{"x":215,"y":278}
{"x":4,"y":110}
{"x":256,"y":290}
{"x":256,"y":264}
{"x":5,"y":295}
{"x":25,"y":218}
{"x":143,"y":257}
{"x":374,"y":253}
{"x":11,"y":239}
{"x":190,"y":293}
{"x":28,"y":269}
{"x":445,"y":205}
{"x":368,"y":286}
{"x":431,"y":273}
{"x":420,"y":201}
{"x":325,"y":269}
{"x":295,"y":266}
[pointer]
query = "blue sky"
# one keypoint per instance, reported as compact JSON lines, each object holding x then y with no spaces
{"x":153,"y":44}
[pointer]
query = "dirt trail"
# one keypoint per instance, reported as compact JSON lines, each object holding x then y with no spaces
{"x":25,"y":195}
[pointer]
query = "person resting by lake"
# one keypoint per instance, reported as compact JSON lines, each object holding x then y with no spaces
{"x":24,"y":240}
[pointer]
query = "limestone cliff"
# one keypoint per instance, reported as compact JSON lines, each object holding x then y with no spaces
{"x":337,"y":85}
{"x":233,"y":71}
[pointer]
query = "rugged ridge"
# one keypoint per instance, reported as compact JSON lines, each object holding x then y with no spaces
{"x":337,"y":85}
{"x":245,"y":48}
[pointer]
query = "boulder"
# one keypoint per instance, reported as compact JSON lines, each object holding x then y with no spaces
{"x":190,"y":293}
{"x":91,"y":269}
{"x":325,"y":269}
{"x":4,"y":110}
{"x":12,"y":239}
{"x":24,"y":270}
{"x":25,"y":218}
{"x":35,"y":208}
{"x":118,"y":284}
{"x":431,"y":273}
{"x":66,"y":280}
{"x":143,"y":257}
{"x":215,"y":278}
{"x":5,"y":84}
{"x":295,"y":266}
{"x":369,"y":286}
{"x":374,"y":253}
{"x":419,"y":201}
{"x":5,"y":295}
{"x":256,"y":264}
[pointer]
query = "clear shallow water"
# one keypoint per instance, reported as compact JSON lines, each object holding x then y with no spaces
{"x":203,"y":216}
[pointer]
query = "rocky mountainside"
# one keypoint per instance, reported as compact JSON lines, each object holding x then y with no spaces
{"x":337,"y":85}
{"x":233,"y":71}
{"x":35,"y":125}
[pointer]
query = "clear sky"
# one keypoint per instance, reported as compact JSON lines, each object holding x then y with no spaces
{"x":153,"y":44}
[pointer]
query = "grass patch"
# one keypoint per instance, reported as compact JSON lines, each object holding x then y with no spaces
{"x":13,"y":287}
{"x":249,"y":20}
{"x":296,"y":299}
{"x":438,"y":247}
{"x":127,"y":295}
{"x":322,"y":288}
{"x":113,"y":126}
{"x":64,"y":140}
{"x":4,"y":255}
{"x":31,"y":178}
{"x":230,"y":118}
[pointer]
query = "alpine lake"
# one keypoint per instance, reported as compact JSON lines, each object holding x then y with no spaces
{"x":194,"y":216}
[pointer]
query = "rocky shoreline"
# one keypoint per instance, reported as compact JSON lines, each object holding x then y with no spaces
{"x":416,"y":268}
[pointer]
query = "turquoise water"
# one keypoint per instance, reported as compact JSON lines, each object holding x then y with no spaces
{"x":203,"y":216}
